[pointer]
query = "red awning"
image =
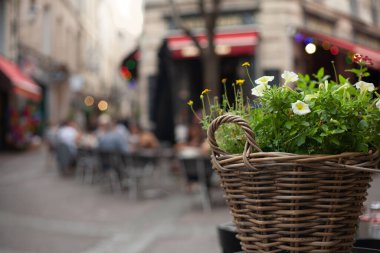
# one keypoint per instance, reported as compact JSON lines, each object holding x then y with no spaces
{"x":22,"y":84}
{"x":226,"y":43}
{"x":347,"y":45}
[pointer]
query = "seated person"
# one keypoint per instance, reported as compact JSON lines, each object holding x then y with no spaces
{"x":109,"y":138}
{"x":142,"y":139}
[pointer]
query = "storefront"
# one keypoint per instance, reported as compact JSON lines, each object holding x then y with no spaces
{"x":314,"y":50}
{"x":19,"y":109}
{"x":317,"y":44}
{"x":180,"y":74}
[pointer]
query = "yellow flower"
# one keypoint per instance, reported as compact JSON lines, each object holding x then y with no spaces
{"x":205,"y":91}
{"x":190,"y":102}
{"x":246,"y":64}
{"x":224,"y":80}
{"x":240,"y":82}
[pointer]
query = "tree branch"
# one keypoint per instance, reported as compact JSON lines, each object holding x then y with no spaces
{"x":211,"y":20}
{"x":179,"y":23}
{"x":215,"y":12}
{"x":201,"y":7}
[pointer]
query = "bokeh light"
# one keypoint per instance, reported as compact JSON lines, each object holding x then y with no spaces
{"x":309,"y":40}
{"x":103,"y":105}
{"x":89,"y":101}
{"x":310,"y":48}
{"x":326,"y":45}
{"x":334,"y":50}
{"x":298,"y":37}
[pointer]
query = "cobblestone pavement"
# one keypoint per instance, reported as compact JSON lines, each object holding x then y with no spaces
{"x":41,"y":212}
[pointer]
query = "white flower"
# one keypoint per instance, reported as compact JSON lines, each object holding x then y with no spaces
{"x":310,"y":97}
{"x":289,"y":77}
{"x":259,"y":90}
{"x":264,"y":79}
{"x":378,"y":104}
{"x":300,"y":108}
{"x":364,"y":86}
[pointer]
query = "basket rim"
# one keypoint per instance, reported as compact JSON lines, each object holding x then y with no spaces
{"x":369,"y":162}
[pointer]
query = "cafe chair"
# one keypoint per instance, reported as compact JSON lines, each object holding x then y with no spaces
{"x":139,"y":166}
{"x":87,"y":164}
{"x":111,"y":164}
{"x":197,"y":169}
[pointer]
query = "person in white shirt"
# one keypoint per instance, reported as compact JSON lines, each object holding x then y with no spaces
{"x":66,"y":151}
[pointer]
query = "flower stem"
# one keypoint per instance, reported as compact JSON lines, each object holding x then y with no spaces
{"x":249,"y":77}
{"x":336,"y":76}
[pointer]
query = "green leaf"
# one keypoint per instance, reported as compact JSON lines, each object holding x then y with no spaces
{"x":342,"y":80}
{"x":355,"y":71}
{"x":363,"y":124}
{"x":318,"y":139}
{"x":289,"y":124}
{"x":337,"y":131}
{"x":321,"y":73}
{"x":363,"y":147}
{"x":335,"y":141}
{"x":301,"y":140}
{"x":325,"y":128}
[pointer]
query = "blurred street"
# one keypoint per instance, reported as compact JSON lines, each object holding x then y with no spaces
{"x":42,"y":212}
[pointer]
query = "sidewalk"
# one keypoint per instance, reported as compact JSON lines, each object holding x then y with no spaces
{"x":43,"y":213}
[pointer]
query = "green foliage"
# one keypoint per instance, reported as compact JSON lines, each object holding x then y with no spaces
{"x":339,"y":116}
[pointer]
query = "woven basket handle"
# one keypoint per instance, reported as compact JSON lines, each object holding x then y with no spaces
{"x":216,"y":123}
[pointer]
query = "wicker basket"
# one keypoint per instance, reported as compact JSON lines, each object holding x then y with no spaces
{"x":284,"y":202}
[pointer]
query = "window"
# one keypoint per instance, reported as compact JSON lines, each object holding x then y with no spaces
{"x":375,"y":11}
{"x":46,"y":31}
{"x":354,"y":8}
{"x":32,"y":6}
{"x":2,"y":26}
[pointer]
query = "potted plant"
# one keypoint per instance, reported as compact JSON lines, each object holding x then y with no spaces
{"x":295,"y":162}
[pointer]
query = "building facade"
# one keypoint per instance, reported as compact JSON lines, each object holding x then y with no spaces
{"x":67,"y":50}
{"x":270,"y":34}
